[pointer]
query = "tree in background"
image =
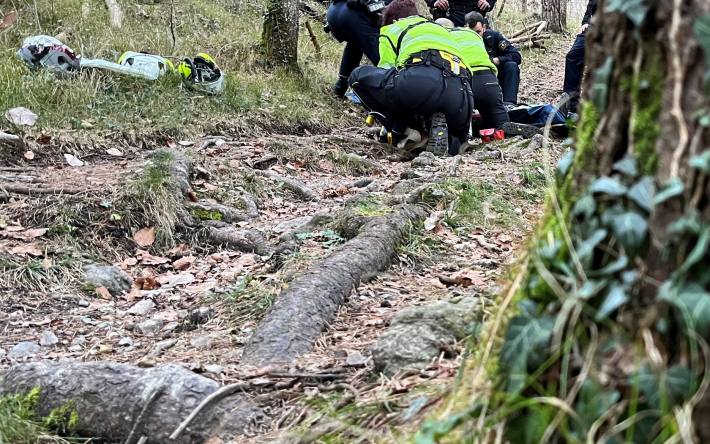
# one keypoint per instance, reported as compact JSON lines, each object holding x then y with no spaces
{"x":280,"y":33}
{"x":554,"y":12}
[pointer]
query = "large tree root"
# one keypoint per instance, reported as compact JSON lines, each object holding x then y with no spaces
{"x":122,"y":403}
{"x":302,"y":311}
{"x":294,"y":185}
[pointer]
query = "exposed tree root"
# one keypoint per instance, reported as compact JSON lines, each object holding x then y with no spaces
{"x":249,"y":241}
{"x":294,"y":185}
{"x":301,"y":312}
{"x":215,"y":211}
{"x":117,"y":402}
{"x":23,"y":189}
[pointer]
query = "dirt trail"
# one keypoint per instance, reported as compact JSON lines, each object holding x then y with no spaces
{"x":196,"y":305}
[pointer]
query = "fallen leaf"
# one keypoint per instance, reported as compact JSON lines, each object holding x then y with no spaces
{"x":167,"y":315}
{"x":21,"y":116}
{"x":129,"y":262}
{"x":73,"y":160}
{"x":464,"y":278}
{"x":145,"y":237}
{"x":47,"y":263}
{"x":8,"y":20}
{"x":184,"y":262}
{"x":103,"y":293}
{"x":29,"y":155}
{"x":179,"y":250}
{"x":27,"y":249}
{"x":114,"y":152}
{"x":186,"y":143}
{"x":147,"y":283}
{"x":34,"y":232}
{"x":44,"y":139}
{"x":149,"y":259}
{"x":431,"y":222}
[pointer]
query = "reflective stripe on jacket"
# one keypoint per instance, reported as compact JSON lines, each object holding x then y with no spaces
{"x":412,"y":35}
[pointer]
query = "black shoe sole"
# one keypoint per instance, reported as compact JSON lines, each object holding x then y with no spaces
{"x":512,"y":129}
{"x":438,"y":135}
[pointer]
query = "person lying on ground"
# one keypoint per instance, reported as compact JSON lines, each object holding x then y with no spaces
{"x":456,"y":10}
{"x":487,"y":95}
{"x":574,"y":67}
{"x":420,"y":73}
{"x":355,"y":22}
{"x":502,"y":53}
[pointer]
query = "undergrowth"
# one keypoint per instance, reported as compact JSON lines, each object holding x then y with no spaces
{"x":111,"y":104}
{"x":20,"y":424}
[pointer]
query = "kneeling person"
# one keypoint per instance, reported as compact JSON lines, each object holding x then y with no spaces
{"x":487,"y":95}
{"x":419,"y":73}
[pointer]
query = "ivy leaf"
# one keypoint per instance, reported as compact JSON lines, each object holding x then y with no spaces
{"x":676,"y":386}
{"x":600,"y":84}
{"x":672,"y":188}
{"x":642,"y":193}
{"x":612,"y":267}
{"x":627,"y":166}
{"x":608,"y":185}
{"x":693,"y":303}
{"x":635,"y":10}
{"x":528,"y":336}
{"x":630,"y":229}
{"x":697,"y":253}
{"x":615,"y":298}
{"x":585,"y":206}
{"x":565,"y":163}
{"x":593,"y":402}
{"x":591,"y":288}
{"x":689,"y":224}
{"x":701,"y":162}
{"x":586,"y":248}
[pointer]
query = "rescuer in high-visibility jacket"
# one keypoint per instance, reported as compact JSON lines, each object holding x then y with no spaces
{"x":420,"y":72}
{"x":484,"y":81}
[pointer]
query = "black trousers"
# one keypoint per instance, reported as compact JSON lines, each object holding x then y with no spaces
{"x":457,"y":11}
{"x":574,"y":70}
{"x":509,"y":79}
{"x":422,"y":90}
{"x":359,"y":31}
{"x":488,"y":98}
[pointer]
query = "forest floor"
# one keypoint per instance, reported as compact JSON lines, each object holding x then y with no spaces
{"x":196,"y":304}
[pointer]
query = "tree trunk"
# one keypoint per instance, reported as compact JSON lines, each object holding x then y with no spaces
{"x":554,"y":12}
{"x":280,"y":33}
{"x":615,"y":301}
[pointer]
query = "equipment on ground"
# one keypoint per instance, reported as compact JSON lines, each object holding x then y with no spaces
{"x":202,"y":74}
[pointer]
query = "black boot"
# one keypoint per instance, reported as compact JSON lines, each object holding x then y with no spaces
{"x":341,"y":86}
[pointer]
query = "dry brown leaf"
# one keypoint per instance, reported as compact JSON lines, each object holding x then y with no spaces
{"x":114,"y":152}
{"x":147,"y":283}
{"x":47,"y":263}
{"x":129,"y":262}
{"x":145,"y":237}
{"x":464,"y":278}
{"x":179,"y":250}
{"x":34,"y":232}
{"x":29,"y":155}
{"x":149,"y":259}
{"x":8,"y":20}
{"x":27,"y":250}
{"x":103,"y":293}
{"x":184,"y":262}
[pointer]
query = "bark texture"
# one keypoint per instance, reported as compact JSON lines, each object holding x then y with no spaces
{"x":554,"y":12}
{"x":117,"y":402}
{"x":301,"y":312}
{"x":280,"y":33}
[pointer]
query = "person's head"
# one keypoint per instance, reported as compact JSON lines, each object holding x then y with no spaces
{"x":446,"y":23}
{"x":475,"y":21}
{"x":398,"y":9}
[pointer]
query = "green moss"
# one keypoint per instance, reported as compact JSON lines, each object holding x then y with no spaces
{"x":206,"y":214}
{"x":646,"y":98}
{"x":63,"y":419}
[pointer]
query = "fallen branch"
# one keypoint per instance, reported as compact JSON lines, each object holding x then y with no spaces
{"x":115,"y":13}
{"x":109,"y":400}
{"x":21,"y":189}
{"x":314,"y":40}
{"x":528,"y":28}
{"x":302,"y":311}
{"x":10,"y":139}
{"x":294,"y":185}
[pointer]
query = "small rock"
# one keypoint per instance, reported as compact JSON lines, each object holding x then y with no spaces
{"x":536,"y":142}
{"x":79,"y":340}
{"x":24,"y":349}
{"x":170,"y":326}
{"x":424,"y":159}
{"x":485,"y":155}
{"x":355,"y":359}
{"x":201,"y":342}
{"x":292,"y":224}
{"x":200,"y":315}
{"x":386,"y":303}
{"x":21,"y":116}
{"x":149,"y":327}
{"x":214,"y":368}
{"x":2,"y":353}
{"x":126,"y":342}
{"x":48,"y":339}
{"x":362,"y":183}
{"x":161,"y":346}
{"x":142,"y":308}
{"x":83,"y":303}
{"x":75,"y":348}
{"x":115,"y":280}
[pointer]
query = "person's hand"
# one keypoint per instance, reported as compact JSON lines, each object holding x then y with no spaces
{"x":483,"y":5}
{"x":496,"y":61}
{"x":584,"y":28}
{"x":441,"y":4}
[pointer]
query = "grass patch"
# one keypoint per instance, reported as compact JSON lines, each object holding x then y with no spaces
{"x":420,"y":247}
{"x":111,"y":104}
{"x":152,"y":200}
{"x":249,"y":300}
{"x":19,"y":423}
{"x":370,"y":206}
{"x":37,"y":274}
{"x":473,"y":204}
